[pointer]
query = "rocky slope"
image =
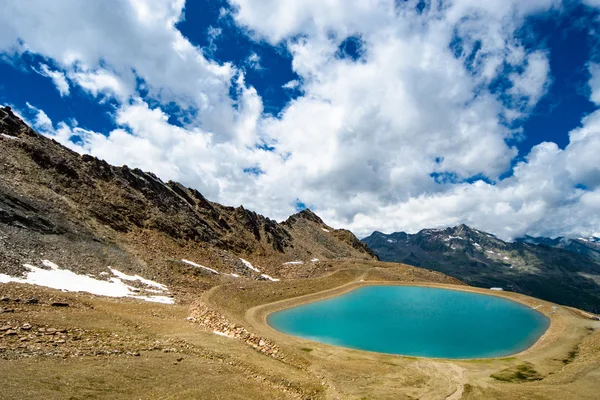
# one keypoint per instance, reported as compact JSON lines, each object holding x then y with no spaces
{"x":563,"y":271}
{"x":83,"y":214}
{"x":589,"y":246}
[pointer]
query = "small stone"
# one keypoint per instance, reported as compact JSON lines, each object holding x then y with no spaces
{"x":59,"y":304}
{"x":180,"y":359}
{"x":32,"y":301}
{"x":5,"y":328}
{"x":26,"y":327}
{"x":10,"y":332}
{"x":61,"y":341}
{"x":50,"y":331}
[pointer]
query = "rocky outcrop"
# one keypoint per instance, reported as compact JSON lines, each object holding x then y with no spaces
{"x":220,"y":325}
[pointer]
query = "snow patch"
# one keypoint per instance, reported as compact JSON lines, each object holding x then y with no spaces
{"x":391,"y":241}
{"x":248,"y":265}
{"x":234,"y":275}
{"x":8,"y":136}
{"x":69,"y":281}
{"x":325,"y":230}
{"x":453,"y":237}
{"x":314,"y":260}
{"x":193,"y":264}
{"x":499,"y":289}
{"x":293,"y":263}
{"x":269,"y":278}
{"x":477,"y":244}
{"x":133,"y":278}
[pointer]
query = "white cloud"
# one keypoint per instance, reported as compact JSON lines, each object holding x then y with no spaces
{"x":101,"y":81}
{"x":41,"y":121}
{"x":253,"y":61}
{"x":366,"y":140}
{"x":529,"y":86}
{"x":58,"y":78}
{"x":129,"y":39}
{"x":592,"y":3}
{"x":293,"y":84}
{"x":541,"y":198}
{"x":594,"y":82}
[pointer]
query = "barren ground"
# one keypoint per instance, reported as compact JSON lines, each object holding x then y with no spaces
{"x":124,"y":349}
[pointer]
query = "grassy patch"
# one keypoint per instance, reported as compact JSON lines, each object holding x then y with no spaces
{"x":520,"y":373}
{"x":570,"y":357}
{"x":306,"y":349}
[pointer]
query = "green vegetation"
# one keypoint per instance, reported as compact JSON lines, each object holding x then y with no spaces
{"x":520,"y":373}
{"x":569,"y":359}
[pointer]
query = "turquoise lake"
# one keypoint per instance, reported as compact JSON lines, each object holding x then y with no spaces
{"x":416,"y":321}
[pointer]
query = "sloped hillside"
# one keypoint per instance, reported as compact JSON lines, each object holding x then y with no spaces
{"x":80,"y":213}
{"x":559,"y":274}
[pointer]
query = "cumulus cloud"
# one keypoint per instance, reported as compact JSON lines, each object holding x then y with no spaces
{"x":101,"y":82}
{"x":529,"y":86}
{"x":406,"y":136}
{"x":58,"y":78}
{"x":128,"y":41}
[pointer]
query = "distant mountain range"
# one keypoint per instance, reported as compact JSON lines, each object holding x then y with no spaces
{"x":562,"y":270}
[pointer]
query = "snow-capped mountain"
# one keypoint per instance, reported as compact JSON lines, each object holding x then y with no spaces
{"x":562,"y":270}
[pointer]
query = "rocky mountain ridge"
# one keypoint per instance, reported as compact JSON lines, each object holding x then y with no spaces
{"x":80,"y":213}
{"x":589,"y":246}
{"x":566,"y":271}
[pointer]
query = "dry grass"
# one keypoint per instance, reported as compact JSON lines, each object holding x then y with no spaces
{"x":214,"y":367}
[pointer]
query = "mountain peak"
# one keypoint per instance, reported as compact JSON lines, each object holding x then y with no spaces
{"x":306,"y":214}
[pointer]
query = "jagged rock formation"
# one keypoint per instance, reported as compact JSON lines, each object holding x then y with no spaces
{"x":563,"y":271}
{"x":84,"y":214}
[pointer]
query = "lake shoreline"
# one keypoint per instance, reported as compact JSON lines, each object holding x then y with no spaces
{"x":257,"y":316}
{"x":408,"y":320}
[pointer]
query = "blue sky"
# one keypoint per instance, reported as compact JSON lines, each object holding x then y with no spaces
{"x":378,"y":115}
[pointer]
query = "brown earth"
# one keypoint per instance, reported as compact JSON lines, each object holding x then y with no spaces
{"x":113,"y":348}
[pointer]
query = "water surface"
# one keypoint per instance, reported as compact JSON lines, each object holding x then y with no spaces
{"x":416,"y":321}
